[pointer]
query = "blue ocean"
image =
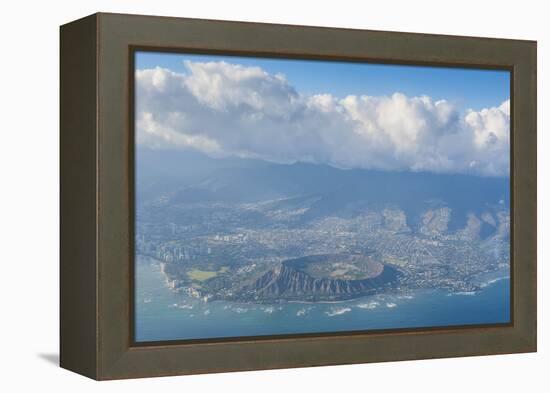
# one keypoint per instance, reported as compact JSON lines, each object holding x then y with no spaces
{"x":162,"y":314}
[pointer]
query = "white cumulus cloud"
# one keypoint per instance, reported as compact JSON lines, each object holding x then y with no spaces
{"x":224,"y":110}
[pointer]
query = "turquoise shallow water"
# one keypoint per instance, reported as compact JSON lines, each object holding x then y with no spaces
{"x":164,"y":315}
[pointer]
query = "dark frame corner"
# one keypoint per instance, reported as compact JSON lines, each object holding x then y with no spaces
{"x":97,"y":195}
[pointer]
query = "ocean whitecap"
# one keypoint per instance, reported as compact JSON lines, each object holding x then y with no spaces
{"x":465,"y":293}
{"x":338,"y":311}
{"x":369,"y":306}
{"x":303,"y":311}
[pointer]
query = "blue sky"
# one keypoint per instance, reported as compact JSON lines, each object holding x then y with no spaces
{"x":465,"y":88}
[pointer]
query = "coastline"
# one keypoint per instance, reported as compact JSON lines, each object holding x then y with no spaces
{"x":502,"y":274}
{"x":165,"y":315}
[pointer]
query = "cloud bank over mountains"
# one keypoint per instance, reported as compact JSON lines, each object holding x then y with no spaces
{"x":226,"y":110}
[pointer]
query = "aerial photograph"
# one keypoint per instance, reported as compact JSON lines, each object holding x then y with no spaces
{"x":287,"y":197}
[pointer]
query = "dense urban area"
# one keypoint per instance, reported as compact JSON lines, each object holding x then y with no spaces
{"x":248,"y":251}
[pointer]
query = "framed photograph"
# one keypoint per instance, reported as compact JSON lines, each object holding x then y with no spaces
{"x":241,"y":196}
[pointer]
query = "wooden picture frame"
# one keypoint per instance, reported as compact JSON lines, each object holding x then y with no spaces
{"x":97,"y":195}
